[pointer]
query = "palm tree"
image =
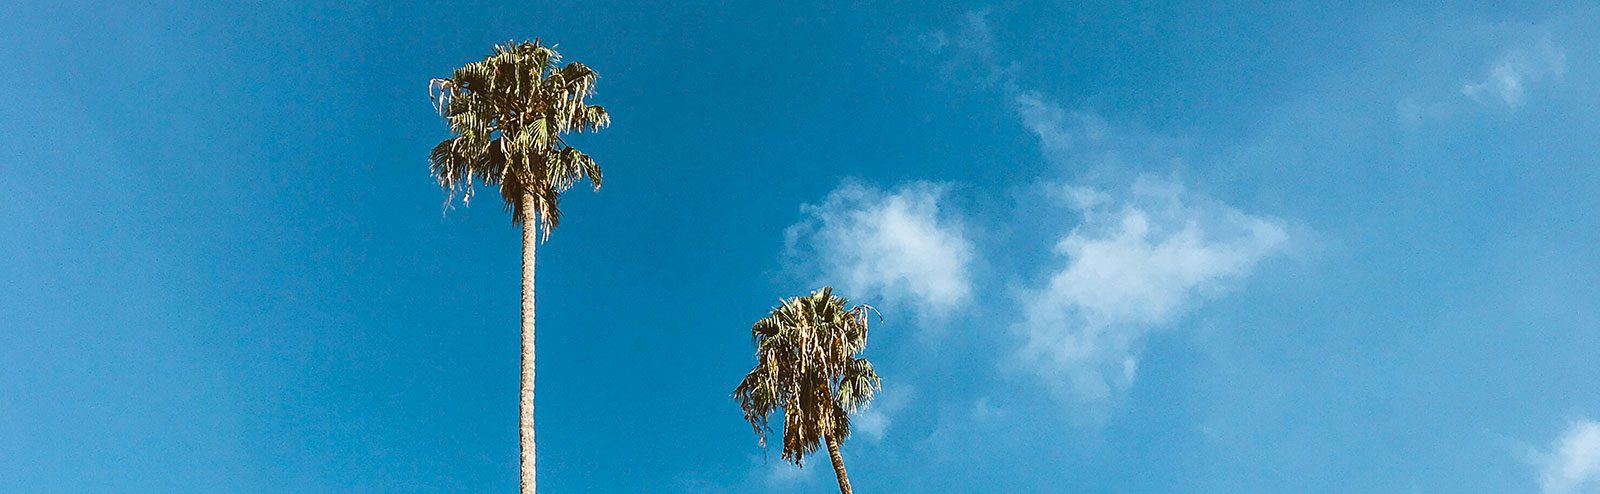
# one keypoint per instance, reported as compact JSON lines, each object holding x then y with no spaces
{"x":507,"y":114}
{"x":807,"y":363}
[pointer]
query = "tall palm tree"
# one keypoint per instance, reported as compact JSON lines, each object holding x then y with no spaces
{"x":507,"y":114}
{"x":808,"y":364}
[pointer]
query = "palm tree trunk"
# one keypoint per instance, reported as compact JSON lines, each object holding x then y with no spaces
{"x":838,"y":464}
{"x":530,"y":242}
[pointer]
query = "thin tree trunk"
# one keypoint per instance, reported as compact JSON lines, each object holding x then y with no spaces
{"x":838,"y":464}
{"x":530,"y":241}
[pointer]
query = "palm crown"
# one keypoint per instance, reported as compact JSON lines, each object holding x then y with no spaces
{"x":507,"y":113}
{"x":807,"y":364}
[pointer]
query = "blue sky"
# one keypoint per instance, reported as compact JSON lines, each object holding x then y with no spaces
{"x":1119,"y":247}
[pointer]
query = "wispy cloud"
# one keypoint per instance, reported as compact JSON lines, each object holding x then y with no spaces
{"x":1058,"y":129}
{"x":972,"y":55}
{"x":969,"y":52}
{"x":874,"y":421}
{"x":1573,"y":463}
{"x":1516,"y":69}
{"x":898,"y":246}
{"x":1138,"y":261}
{"x":779,"y":474}
{"x":1524,"y":60}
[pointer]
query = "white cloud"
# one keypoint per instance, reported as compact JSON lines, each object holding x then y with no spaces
{"x":1517,"y":69}
{"x":1140,"y":258}
{"x":896,"y":246}
{"x":1573,"y":465}
{"x":1137,"y":262}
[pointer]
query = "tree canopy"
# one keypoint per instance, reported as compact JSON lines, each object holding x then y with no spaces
{"x":507,"y":114}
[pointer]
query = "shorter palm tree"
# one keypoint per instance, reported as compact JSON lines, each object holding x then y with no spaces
{"x":808,"y":364}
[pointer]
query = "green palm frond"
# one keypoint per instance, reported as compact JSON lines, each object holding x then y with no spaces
{"x":506,"y":115}
{"x":808,"y":365}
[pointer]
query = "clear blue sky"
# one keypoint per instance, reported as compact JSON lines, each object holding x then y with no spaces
{"x":1119,"y":247}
